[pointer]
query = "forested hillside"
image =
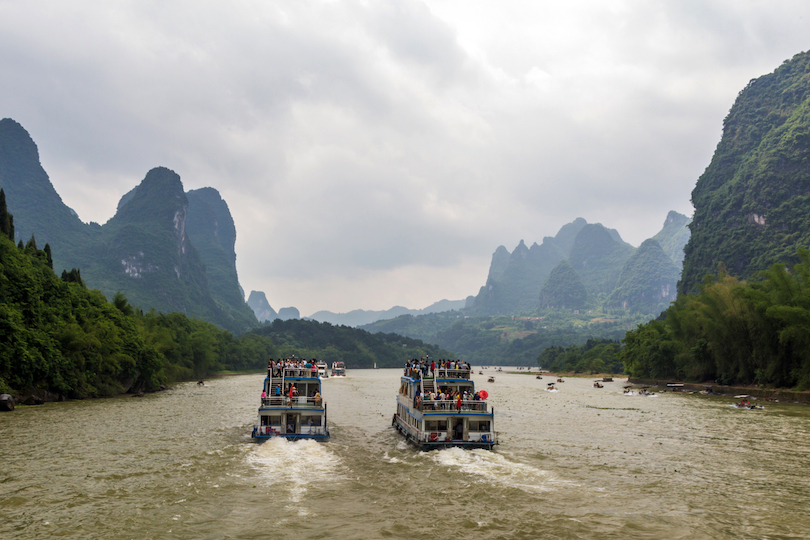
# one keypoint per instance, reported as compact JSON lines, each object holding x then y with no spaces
{"x":752,"y":204}
{"x":164,"y":248}
{"x":357,"y":348}
{"x":59,"y":339}
{"x":732,"y":332}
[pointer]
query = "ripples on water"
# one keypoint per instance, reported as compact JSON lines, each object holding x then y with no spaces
{"x":580,"y":463}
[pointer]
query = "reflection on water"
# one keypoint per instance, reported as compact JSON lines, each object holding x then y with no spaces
{"x":579,"y":463}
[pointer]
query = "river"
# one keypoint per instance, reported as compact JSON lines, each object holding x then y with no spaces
{"x":579,"y":463}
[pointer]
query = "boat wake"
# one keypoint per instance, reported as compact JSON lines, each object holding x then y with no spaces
{"x":495,"y":468}
{"x":295,"y":467}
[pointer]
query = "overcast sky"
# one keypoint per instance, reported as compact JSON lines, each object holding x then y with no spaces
{"x":376,"y":153}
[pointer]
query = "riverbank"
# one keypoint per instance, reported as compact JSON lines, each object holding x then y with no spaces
{"x":768,"y":394}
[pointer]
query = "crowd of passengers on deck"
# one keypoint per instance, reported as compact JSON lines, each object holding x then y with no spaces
{"x":420,"y":368}
{"x":290,"y":393}
{"x":276,"y":367}
{"x":449,"y":399}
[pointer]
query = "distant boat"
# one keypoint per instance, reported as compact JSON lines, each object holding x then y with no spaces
{"x":375,"y":365}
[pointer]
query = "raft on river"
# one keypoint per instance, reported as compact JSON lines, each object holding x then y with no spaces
{"x":431,"y":423}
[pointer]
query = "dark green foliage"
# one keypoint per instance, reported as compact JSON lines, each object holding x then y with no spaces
{"x":145,"y":249}
{"x":74,"y":276}
{"x":48,"y":255}
{"x":6,"y":219}
{"x":732,"y":332}
{"x":563,"y":289}
{"x":647,"y":282}
{"x":752,"y":207}
{"x":596,"y":356}
{"x":357,"y":348}
{"x":56,"y":335}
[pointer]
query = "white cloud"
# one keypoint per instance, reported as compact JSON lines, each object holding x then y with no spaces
{"x":376,"y":153}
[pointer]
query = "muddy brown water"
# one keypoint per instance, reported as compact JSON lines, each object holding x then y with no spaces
{"x":579,"y":463}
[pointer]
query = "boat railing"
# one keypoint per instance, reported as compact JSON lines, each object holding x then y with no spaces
{"x":306,"y":373}
{"x":296,"y":401}
{"x":439,"y":373}
{"x":301,"y":430}
{"x":452,"y":373}
{"x":449,"y":404}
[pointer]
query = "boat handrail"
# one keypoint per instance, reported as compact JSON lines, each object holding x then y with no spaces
{"x":307,"y":373}
{"x":296,"y":401}
{"x":440,"y":373}
{"x":449,"y":404}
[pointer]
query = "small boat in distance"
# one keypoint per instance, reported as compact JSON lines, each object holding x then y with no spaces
{"x":291,"y":405}
{"x":322,"y":370}
{"x":745,"y":403}
{"x":597,"y":384}
{"x":551,"y":387}
{"x":491,"y":379}
{"x":440,"y":409}
{"x":338,"y":369}
{"x":539,"y":377}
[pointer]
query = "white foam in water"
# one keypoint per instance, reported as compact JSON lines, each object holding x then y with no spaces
{"x":495,"y":468}
{"x":295,"y":466}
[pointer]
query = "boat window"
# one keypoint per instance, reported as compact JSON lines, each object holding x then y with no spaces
{"x":311,"y":420}
{"x":442,"y":425}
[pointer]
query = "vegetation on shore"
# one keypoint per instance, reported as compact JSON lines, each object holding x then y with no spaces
{"x":59,"y":337}
{"x":732,"y":332}
{"x":357,"y":348}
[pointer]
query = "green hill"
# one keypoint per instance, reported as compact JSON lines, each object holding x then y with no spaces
{"x":148,"y":250}
{"x":647,"y":282}
{"x":357,"y":348}
{"x":59,"y":339}
{"x":598,"y":258}
{"x":752,"y":204}
{"x":563,"y":289}
{"x":673,"y":236}
{"x":37,"y":208}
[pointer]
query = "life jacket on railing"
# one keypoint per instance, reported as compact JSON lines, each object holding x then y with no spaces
{"x":434,"y":437}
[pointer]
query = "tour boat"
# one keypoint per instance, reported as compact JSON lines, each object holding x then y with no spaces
{"x":322,"y":370}
{"x":338,"y":369}
{"x":431,"y":423}
{"x":291,"y":405}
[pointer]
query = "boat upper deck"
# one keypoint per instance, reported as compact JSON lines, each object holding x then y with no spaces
{"x":439,"y":373}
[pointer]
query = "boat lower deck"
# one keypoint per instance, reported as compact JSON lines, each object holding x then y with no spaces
{"x":435,"y":441}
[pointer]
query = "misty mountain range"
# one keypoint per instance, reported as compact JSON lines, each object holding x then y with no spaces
{"x":173,"y":250}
